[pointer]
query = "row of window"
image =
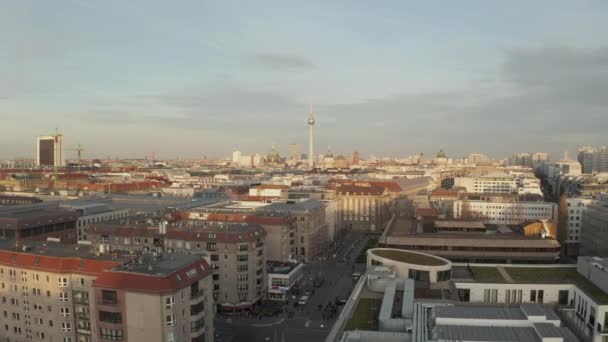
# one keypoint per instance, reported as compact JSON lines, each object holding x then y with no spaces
{"x":61,"y":281}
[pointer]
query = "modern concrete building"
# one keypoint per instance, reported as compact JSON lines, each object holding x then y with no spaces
{"x":426,"y":269}
{"x":508,"y":210}
{"x":471,"y":241}
{"x":594,"y":229}
{"x":578,"y":292}
{"x":282,"y":278}
{"x":50,"y":151}
{"x":593,"y":159}
{"x":54,"y":292}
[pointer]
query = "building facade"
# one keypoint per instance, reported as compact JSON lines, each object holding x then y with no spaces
{"x":52,"y":292}
{"x":50,"y":151}
{"x":364,"y":207}
{"x":501,"y":210}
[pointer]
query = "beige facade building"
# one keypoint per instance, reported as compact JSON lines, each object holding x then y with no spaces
{"x":236,"y":252}
{"x":363,"y":206}
{"x":53,"y":292}
{"x":311,"y":235}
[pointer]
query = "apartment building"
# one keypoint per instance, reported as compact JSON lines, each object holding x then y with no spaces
{"x":56,"y":292}
{"x":237,"y":257}
{"x":280,"y":227}
{"x":514,"y":210}
{"x":236,"y":252}
{"x":311,"y":236}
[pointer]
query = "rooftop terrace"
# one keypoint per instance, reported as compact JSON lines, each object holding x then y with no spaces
{"x":539,"y":275}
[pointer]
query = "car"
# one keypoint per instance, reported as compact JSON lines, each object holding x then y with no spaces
{"x":303,"y":300}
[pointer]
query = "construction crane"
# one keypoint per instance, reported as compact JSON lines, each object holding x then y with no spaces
{"x":78,"y":150}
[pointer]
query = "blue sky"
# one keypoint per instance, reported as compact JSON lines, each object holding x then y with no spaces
{"x":193,"y":78}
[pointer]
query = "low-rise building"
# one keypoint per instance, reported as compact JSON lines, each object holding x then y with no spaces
{"x":38,"y":221}
{"x":283,"y":277}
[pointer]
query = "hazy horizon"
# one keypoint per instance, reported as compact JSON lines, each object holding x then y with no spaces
{"x":193,"y":78}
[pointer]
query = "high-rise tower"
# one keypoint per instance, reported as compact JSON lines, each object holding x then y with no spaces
{"x":311,"y":125}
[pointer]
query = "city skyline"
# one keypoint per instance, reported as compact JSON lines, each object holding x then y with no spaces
{"x":208,"y":78}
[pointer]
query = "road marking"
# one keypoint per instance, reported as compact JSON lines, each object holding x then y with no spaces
{"x":269,"y":324}
{"x":307,"y":324}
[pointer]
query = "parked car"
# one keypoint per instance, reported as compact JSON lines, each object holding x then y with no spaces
{"x":303,"y":300}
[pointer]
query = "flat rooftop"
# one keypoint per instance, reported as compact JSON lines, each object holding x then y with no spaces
{"x":539,"y":275}
{"x":409,"y":257}
{"x":56,"y":249}
{"x":160,"y":265}
{"x":280,"y":267}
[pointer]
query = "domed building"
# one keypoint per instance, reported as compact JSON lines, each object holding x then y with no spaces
{"x":328,"y":159}
{"x":441,"y":158}
{"x":273,"y":157}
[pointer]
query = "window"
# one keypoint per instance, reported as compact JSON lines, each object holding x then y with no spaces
{"x":533,"y":296}
{"x":110,"y":317}
{"x":109,"y":297}
{"x":242,"y":257}
{"x":63,"y":281}
{"x":64,"y":296}
{"x":170,"y":320}
{"x":66,"y":326}
{"x":67,"y":339}
{"x":65,"y":312}
{"x":110,"y":334}
{"x":169,"y":302}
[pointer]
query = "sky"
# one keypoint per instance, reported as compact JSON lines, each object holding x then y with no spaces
{"x":390,"y":78}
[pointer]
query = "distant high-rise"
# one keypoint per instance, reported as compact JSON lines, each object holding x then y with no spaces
{"x":311,"y":125}
{"x":49,"y":150}
{"x":593,"y":159}
{"x":293,"y":153}
{"x":356,"y":158}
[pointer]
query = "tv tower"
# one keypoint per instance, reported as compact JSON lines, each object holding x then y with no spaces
{"x":311,"y":125}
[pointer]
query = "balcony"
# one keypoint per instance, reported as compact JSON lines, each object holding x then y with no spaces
{"x":196,"y":296}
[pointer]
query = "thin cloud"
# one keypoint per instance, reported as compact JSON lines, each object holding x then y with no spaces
{"x":283,"y":62}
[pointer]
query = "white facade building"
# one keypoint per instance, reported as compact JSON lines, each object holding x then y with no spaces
{"x":501,"y":212}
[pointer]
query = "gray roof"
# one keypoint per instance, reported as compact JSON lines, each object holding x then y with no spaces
{"x":159,"y":266}
{"x":303,"y":206}
{"x":481,"y":333}
{"x":479,"y":312}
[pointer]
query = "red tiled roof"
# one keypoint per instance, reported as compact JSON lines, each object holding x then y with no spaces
{"x":391,"y":186}
{"x":55,"y":264}
{"x":427,"y":212}
{"x":445,"y":193}
{"x":270,"y":186}
{"x":138,"y":282}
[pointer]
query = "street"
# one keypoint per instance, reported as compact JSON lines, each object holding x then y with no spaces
{"x":307,"y":323}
